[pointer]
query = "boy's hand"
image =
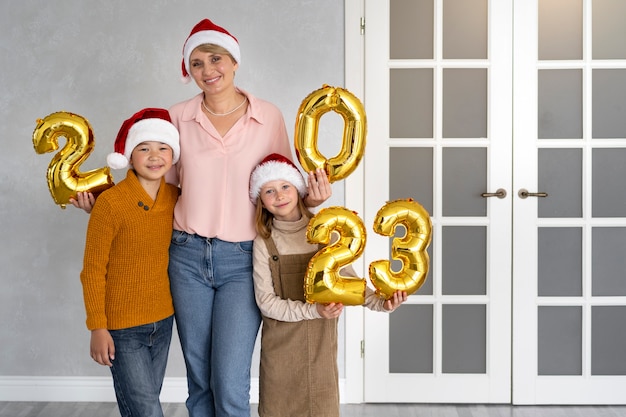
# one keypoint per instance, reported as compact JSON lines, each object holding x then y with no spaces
{"x":102,"y":347}
{"x":84,"y":201}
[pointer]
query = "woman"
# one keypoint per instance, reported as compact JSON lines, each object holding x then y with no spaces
{"x":224,"y":132}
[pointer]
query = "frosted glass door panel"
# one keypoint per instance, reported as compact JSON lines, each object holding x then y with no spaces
{"x":560,"y":98}
{"x":560,"y":29}
{"x":609,"y":29}
{"x":464,"y":261}
{"x":608,"y":340}
{"x":464,"y":349}
{"x":411,"y":340}
{"x":560,"y":340}
{"x":609,"y":182}
{"x":411,"y":35}
{"x":559,"y":255}
{"x":560,"y":176}
{"x":464,"y":103}
{"x":464,"y":179}
{"x":411,"y":175}
{"x":609,"y":103}
{"x":465,"y":29}
{"x":411,"y":103}
{"x":609,"y":261}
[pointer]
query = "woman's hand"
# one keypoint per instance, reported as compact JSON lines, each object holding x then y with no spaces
{"x":394,"y":302}
{"x":318,"y":188}
{"x":84,"y":201}
{"x":329,"y":311}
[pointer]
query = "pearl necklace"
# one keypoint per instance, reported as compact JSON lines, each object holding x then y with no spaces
{"x":228,"y":112}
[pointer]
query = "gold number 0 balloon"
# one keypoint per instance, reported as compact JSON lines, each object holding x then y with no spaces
{"x":411,"y":249}
{"x":313,"y":107}
{"x":322,"y":283}
{"x":64,"y":178}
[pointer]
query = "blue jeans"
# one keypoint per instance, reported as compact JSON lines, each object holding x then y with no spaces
{"x":217,"y":320}
{"x":139,"y":367}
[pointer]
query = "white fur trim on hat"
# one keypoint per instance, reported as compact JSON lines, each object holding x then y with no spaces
{"x":155,"y":129}
{"x":272,"y":171}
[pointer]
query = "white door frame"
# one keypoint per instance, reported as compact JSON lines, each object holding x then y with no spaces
{"x":354,"y":199}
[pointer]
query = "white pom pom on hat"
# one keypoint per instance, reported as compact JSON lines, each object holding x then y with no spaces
{"x":150,"y":124}
{"x":207,"y":32}
{"x":275,"y":167}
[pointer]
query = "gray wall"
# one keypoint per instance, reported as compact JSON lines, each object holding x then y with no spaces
{"x":105,"y":60}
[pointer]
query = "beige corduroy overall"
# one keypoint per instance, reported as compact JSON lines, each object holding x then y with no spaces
{"x":298,"y":375}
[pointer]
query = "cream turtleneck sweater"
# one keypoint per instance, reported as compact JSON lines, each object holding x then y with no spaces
{"x":290,"y":239}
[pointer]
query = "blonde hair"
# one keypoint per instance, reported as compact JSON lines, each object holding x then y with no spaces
{"x":215,"y":49}
{"x":263,"y":218}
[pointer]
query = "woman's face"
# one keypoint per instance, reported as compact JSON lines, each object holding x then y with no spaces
{"x":212,"y":72}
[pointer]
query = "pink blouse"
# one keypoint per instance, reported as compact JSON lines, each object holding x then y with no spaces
{"x":214,"y":171}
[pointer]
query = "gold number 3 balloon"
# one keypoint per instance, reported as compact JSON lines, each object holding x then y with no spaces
{"x":313,"y":107}
{"x":64,"y":178}
{"x":322,"y":283}
{"x":411,"y":249}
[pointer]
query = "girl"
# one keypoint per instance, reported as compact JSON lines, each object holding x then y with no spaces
{"x":298,"y":375}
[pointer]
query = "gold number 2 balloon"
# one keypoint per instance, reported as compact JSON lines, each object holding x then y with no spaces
{"x":411,"y":249}
{"x":322,"y":283}
{"x":64,"y":178}
{"x":313,"y":107}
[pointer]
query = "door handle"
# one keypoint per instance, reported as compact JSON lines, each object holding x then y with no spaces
{"x":523,"y":193}
{"x":500,"y":193}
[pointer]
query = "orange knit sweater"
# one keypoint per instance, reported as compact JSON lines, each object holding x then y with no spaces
{"x":124,"y":276}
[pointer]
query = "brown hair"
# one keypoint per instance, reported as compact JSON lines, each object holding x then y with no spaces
{"x":263,"y":218}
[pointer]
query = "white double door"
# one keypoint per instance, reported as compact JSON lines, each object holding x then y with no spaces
{"x":506,"y":121}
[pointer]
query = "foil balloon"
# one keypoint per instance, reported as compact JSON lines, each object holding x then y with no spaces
{"x":323,"y":283}
{"x":64,"y":177}
{"x":410,"y":249}
{"x":313,"y":107}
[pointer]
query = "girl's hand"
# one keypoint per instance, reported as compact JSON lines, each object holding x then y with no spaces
{"x":318,"y":188}
{"x":329,"y":311}
{"x":102,"y":348}
{"x":396,"y":299}
{"x":84,"y":201}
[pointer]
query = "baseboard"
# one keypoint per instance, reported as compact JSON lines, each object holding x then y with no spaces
{"x":94,"y":389}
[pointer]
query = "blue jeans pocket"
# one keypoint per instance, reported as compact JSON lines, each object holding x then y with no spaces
{"x":180,"y":238}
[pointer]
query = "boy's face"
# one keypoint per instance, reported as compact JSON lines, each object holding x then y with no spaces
{"x":151,"y":159}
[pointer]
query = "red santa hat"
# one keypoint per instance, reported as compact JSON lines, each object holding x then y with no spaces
{"x":150,"y":124}
{"x":275,"y":167}
{"x":208,"y":32}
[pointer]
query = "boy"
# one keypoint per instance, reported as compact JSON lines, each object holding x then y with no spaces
{"x":125,"y":282}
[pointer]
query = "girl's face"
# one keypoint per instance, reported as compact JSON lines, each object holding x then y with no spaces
{"x":151,"y":160}
{"x":281,"y":199}
{"x":212,"y":72}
